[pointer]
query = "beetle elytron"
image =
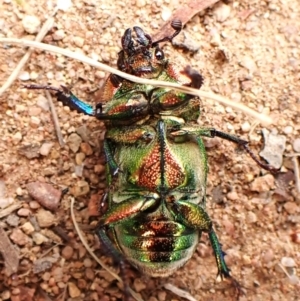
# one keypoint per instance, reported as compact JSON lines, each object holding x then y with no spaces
{"x":156,"y":161}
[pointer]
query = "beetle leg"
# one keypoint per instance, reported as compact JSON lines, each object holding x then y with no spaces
{"x":211,"y":133}
{"x":111,"y":162}
{"x":195,"y":217}
{"x":117,"y":257}
{"x":67,"y":98}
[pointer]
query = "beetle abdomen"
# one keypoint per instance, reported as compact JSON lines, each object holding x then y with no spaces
{"x":157,"y":248}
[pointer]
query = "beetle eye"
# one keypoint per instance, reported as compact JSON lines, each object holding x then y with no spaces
{"x":159,"y":54}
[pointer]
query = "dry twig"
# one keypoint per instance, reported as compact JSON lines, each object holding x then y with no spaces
{"x":55,"y":120}
{"x":265,"y":120}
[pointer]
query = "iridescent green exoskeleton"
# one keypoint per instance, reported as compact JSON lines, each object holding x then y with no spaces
{"x":156,"y":161}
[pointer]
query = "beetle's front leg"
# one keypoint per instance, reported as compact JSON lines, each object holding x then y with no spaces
{"x":195,"y":217}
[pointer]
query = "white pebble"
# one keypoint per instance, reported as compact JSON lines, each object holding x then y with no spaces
{"x":296,"y":145}
{"x":19,"y":191}
{"x":58,"y":35}
{"x":17,"y":137}
{"x":45,"y":148}
{"x":166,"y":13}
{"x":64,"y":4}
{"x":221,"y":12}
{"x":288,"y":130}
{"x":24,"y":75}
{"x":34,"y":75}
{"x":43,"y":103}
{"x":288,"y":262}
{"x":246,"y":127}
{"x":31,"y":24}
{"x":78,"y":41}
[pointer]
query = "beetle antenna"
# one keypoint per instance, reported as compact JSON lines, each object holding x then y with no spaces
{"x":177,"y":26}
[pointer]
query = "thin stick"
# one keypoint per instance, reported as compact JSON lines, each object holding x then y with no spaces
{"x":46,"y":27}
{"x":55,"y":120}
{"x":265,"y":120}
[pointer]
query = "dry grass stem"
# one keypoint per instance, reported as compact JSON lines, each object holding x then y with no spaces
{"x":265,"y":120}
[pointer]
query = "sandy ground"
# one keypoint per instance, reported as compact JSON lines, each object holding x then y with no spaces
{"x":246,"y":52}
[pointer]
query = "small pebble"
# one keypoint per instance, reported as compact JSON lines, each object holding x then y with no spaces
{"x":27,"y":228}
{"x":74,"y":291}
{"x":246,"y":127}
{"x":5,"y":295}
{"x":291,"y":207}
{"x":274,"y":148}
{"x":89,"y":273}
{"x":140,"y":3}
{"x":251,"y":217}
{"x":39,"y":238}
{"x":45,"y":194}
{"x":19,"y":237}
{"x":221,"y":12}
{"x":67,"y":252}
{"x":79,"y":158}
{"x":248,"y":63}
{"x":13,"y":220}
{"x":19,"y":191}
{"x":166,"y":13}
{"x":74,"y":142}
{"x":78,"y":41}
{"x":58,"y":35}
{"x":81,"y":188}
{"x":17,"y":137}
{"x":288,"y":130}
{"x":100,"y":74}
{"x":233,"y":196}
{"x":79,"y":170}
{"x":45,"y":218}
{"x":268,"y":256}
{"x":34,"y":111}
{"x":288,"y":262}
{"x":296,"y":145}
{"x":99,"y":169}
{"x":34,"y":205}
{"x":24,"y":212}
{"x":58,"y":273}
{"x":86,"y":148}
{"x":87,"y":262}
{"x":161,"y":295}
{"x":43,"y":103}
{"x":139,"y":285}
{"x":64,"y":4}
{"x":34,"y":75}
{"x":31,"y":24}
{"x":246,"y":259}
{"x":24,"y":76}
{"x":46,"y":148}
{"x":263,"y":184}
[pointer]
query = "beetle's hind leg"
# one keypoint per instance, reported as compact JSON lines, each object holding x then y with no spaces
{"x":195,"y":217}
{"x":118,"y":258}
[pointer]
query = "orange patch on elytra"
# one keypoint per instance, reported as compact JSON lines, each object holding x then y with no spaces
{"x":150,"y":172}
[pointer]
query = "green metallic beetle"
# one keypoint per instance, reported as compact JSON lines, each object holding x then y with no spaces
{"x":156,"y":161}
